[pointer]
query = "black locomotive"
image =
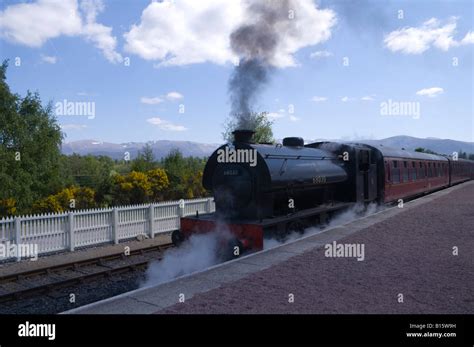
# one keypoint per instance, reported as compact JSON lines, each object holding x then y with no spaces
{"x":267,"y":188}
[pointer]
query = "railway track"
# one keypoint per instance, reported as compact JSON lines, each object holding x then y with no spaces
{"x":31,"y":283}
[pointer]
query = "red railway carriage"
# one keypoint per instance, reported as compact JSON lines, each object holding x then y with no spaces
{"x":407,"y":174}
{"x":461,"y":170}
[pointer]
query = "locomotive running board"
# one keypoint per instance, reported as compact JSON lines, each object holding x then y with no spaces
{"x":268,"y":222}
{"x":308,"y":213}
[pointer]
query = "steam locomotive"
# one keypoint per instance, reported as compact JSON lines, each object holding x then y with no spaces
{"x":266,"y":189}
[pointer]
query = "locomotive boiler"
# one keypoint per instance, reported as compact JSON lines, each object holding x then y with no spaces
{"x":280,"y":180}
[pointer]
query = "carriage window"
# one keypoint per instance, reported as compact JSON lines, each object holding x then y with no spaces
{"x":395,"y":172}
{"x":413,"y":171}
{"x":405,"y":172}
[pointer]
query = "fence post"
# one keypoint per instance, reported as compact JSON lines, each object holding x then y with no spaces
{"x":208,"y":205}
{"x":18,"y":237}
{"x":72,"y":240}
{"x":115,"y":225}
{"x":151,"y":216}
{"x":180,"y":213}
{"x":181,"y":208}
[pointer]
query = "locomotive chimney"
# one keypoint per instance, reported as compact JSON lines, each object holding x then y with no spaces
{"x":243,"y":135}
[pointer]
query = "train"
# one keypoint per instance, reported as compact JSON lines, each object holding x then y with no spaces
{"x":270,"y":190}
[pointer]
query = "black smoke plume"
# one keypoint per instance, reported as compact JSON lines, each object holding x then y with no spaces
{"x":255,"y":43}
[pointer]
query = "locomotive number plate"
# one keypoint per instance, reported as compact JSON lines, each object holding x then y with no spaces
{"x":231,"y":172}
{"x":319,"y":179}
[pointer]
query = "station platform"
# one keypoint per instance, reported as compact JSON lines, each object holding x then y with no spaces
{"x":417,"y":259}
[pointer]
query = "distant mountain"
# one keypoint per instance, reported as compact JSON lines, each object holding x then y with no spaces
{"x":441,"y":146}
{"x":163,"y":147}
{"x":117,"y":151}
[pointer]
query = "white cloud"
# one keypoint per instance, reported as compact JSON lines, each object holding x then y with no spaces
{"x":151,"y":101}
{"x":32,"y":24}
{"x":85,"y":94}
{"x":165,"y":125}
{"x":101,"y":36}
{"x":320,"y":54}
{"x":187,"y":31}
{"x":468,"y":39}
{"x":346,"y":99}
{"x":275,"y":115}
{"x":416,"y":40}
{"x":280,"y":115}
{"x":48,"y":59}
{"x":319,"y":98}
{"x":172,"y":96}
{"x":367,"y":98}
{"x":73,"y":126}
{"x":430,"y":92}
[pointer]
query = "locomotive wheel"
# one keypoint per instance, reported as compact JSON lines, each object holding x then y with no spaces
{"x":176,"y":238}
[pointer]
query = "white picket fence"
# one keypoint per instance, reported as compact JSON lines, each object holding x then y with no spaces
{"x":78,"y":229}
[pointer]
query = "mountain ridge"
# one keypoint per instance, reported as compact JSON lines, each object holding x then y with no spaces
{"x":161,"y":148}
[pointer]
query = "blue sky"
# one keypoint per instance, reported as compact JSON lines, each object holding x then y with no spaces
{"x":179,"y":57}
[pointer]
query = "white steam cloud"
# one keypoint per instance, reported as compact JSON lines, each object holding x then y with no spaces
{"x":201,"y":251}
{"x":356,"y":212}
{"x":197,"y":253}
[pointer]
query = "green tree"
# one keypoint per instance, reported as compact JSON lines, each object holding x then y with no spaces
{"x":175,"y":167}
{"x":462,"y":155}
{"x":185,"y":176}
{"x":145,"y":160}
{"x":89,"y":171}
{"x":262,"y":127}
{"x":424,"y":150}
{"x":30,"y":142}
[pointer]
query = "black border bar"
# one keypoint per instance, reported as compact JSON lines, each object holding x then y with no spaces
{"x":238,"y":329}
